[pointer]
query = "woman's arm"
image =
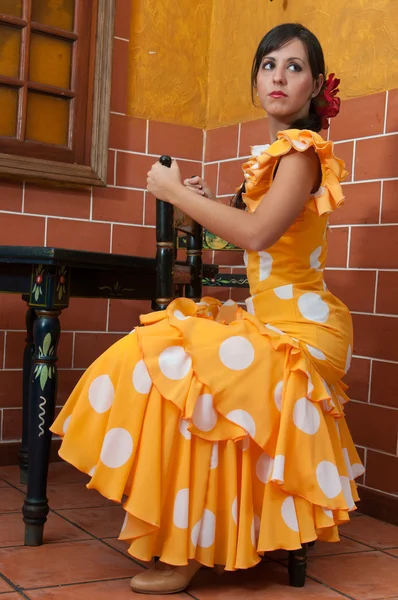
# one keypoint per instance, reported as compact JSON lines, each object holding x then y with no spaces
{"x":296,"y":177}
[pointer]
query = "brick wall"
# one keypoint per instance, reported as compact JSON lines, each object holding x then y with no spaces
{"x":363,"y":261}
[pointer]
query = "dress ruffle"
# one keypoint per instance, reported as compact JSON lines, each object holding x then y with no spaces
{"x":260,"y":169}
{"x":218,"y":434}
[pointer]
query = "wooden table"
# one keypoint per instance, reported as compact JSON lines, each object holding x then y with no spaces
{"x":47,"y":278}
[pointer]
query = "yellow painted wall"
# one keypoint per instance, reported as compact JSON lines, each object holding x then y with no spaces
{"x":201,"y":73}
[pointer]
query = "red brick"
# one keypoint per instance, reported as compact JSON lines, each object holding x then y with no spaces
{"x":362,"y":204}
{"x":230,"y":177}
{"x":150,"y":209}
{"x":358,"y":379}
{"x":132,"y":169}
{"x":110,"y":178}
{"x":382,"y":472}
{"x":21,"y":230}
{"x":392,"y":112}
{"x":12,"y":424}
{"x":387,"y":293}
{"x":79,"y":235}
{"x":123,"y":19}
{"x":389,"y":211}
{"x":345,"y":151}
{"x":10,"y":196}
{"x":253,"y":133}
{"x":376,"y":158}
{"x":355,"y":288}
{"x":221,"y":294}
{"x":89,"y":346}
{"x":178,"y":141}
{"x":337,"y":242}
{"x":376,"y":336}
{"x":120,"y":76}
{"x":211,"y":177}
{"x":373,"y":426}
{"x":1,"y":348}
{"x":85,"y":314}
{"x":222,"y":143}
{"x":228,"y":257}
{"x":12,"y":311}
{"x":11,"y":388}
{"x":127,"y":133}
{"x":67,"y":379}
{"x":384,"y":384}
{"x":57,"y":202}
{"x":374,"y":247}
{"x":124,"y":314}
{"x":15,"y":345}
{"x":359,"y":117}
{"x":135,"y":241}
{"x":118,"y":204}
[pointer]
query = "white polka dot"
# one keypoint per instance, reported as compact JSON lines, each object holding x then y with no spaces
{"x":289,"y":514}
{"x":244,"y":420}
{"x":357,"y":470}
{"x":235,"y":510}
{"x":319,"y":192}
{"x":202,"y":303}
{"x":203,"y":533}
{"x":255,"y":166}
{"x":347,"y":463}
{"x":175,"y":363}
{"x":126,"y":518}
{"x":278,"y":472}
{"x":313,"y":308}
{"x":314,"y":258}
{"x":101,"y":393}
{"x":183,"y":428}
{"x":258,"y":150}
{"x":255,"y":529}
{"x":141,"y":381}
{"x":272,"y":328}
{"x":245,"y":444}
{"x":229,"y":302}
{"x":325,"y":287}
{"x":306,"y":416}
{"x":327,"y":512}
{"x":180,"y":316}
{"x":245,"y":258}
{"x":278,"y":395}
{"x":337,"y":428}
{"x":299,"y":145}
{"x":348,"y":359}
{"x":214,"y":456}
{"x":328,"y":479}
{"x":66,"y":424}
{"x":310,"y":386}
{"x":264,"y":467}
{"x":117,"y":448}
{"x":236,"y":353}
{"x":345,"y":484}
{"x":265,"y":265}
{"x":92,"y":471}
{"x":181,"y":509}
{"x":204,"y":416}
{"x":318,"y":354}
{"x":284,"y":292}
{"x":250,"y":305}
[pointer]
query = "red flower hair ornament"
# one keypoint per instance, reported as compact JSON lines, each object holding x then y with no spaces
{"x":327,"y":104}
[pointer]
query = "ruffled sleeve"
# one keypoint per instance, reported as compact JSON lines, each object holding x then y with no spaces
{"x":259,"y":170}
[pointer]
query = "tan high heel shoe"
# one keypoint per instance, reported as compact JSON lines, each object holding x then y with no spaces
{"x":164,"y":579}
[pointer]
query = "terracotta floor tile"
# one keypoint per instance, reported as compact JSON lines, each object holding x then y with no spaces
{"x":343,"y":546}
{"x":393,"y":552}
{"x":58,"y":473}
{"x":122,"y":546}
{"x":104,"y":590}
{"x":69,"y":562}
{"x":75,"y":495}
{"x":371,"y":531}
{"x":11,"y":596}
{"x":102,"y":522}
{"x":3,"y":483}
{"x":4,"y":587}
{"x":11,"y":500}
{"x":268,"y":581}
{"x":365,"y":576}
{"x":55,"y":530}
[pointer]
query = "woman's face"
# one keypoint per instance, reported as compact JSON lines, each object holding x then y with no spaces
{"x":285,"y":84}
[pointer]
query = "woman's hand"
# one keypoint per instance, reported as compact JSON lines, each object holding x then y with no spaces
{"x":199,"y":186}
{"x":163,"y":182}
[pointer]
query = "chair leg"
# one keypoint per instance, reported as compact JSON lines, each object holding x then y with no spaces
{"x":297,"y":566}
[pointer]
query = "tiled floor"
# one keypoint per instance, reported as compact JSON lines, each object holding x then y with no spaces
{"x":83,"y":560}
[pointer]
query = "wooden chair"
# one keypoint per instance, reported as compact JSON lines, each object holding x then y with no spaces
{"x":174,"y":279}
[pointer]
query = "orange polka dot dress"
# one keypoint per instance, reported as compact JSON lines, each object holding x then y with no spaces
{"x":222,"y":430}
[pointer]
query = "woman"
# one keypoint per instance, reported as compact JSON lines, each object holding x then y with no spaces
{"x":224,"y":428}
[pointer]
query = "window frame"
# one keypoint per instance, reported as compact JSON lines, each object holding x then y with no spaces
{"x":99,"y":99}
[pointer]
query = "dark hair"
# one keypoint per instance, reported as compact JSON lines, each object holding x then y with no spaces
{"x":273,"y":40}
